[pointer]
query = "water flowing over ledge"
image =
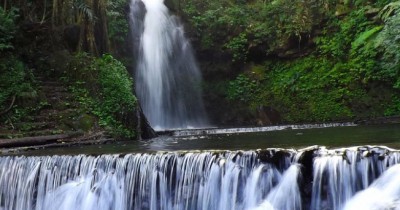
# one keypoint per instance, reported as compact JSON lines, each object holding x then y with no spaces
{"x":312,"y":178}
{"x":197,"y":132}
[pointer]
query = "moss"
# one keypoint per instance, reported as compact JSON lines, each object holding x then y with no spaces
{"x":86,"y":122}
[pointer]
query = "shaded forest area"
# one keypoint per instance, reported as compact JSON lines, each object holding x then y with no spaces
{"x":61,"y":69}
{"x":63,"y":63}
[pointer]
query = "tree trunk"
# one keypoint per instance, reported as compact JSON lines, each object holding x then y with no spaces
{"x":10,"y":107}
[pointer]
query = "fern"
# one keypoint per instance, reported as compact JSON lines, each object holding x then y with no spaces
{"x":365,"y":37}
{"x":389,"y":10}
{"x":85,"y":10}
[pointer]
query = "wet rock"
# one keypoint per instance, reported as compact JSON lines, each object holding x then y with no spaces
{"x":173,"y":5}
{"x":268,"y":116}
{"x":143,"y":126}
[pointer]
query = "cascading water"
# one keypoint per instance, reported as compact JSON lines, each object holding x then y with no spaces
{"x":339,"y":174}
{"x":287,"y":188}
{"x":168,"y":79}
{"x":272,"y":179}
{"x":384,"y":193}
{"x":170,"y":181}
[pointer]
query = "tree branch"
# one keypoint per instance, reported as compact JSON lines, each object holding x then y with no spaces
{"x":10,"y":107}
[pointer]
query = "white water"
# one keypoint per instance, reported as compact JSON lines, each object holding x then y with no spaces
{"x":143,"y":181}
{"x":197,"y":132}
{"x":167,"y":77}
{"x":278,"y":198}
{"x":342,"y":179}
{"x":383,"y":194}
{"x":339,"y":174}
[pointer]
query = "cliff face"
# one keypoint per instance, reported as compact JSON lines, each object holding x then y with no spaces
{"x":310,"y":61}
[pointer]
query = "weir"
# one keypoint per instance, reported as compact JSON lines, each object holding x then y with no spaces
{"x":312,"y":178}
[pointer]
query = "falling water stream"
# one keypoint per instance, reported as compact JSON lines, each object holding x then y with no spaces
{"x":167,"y":76}
{"x":273,"y":179}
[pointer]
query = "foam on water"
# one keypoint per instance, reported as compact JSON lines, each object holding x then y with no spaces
{"x":272,"y":179}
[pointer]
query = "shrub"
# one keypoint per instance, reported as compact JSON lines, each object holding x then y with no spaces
{"x":7,"y":28}
{"x":104,"y":88}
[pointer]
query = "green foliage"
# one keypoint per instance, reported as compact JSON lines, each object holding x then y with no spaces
{"x":104,"y":88}
{"x":81,"y":7}
{"x":348,"y":76}
{"x":244,"y":89}
{"x":238,"y":26}
{"x":389,"y":41}
{"x":365,"y":36}
{"x":309,"y":89}
{"x":14,"y":80}
{"x":118,"y":26}
{"x":388,"y":10}
{"x":238,"y":47}
{"x":394,"y":108}
{"x":338,"y":36}
{"x":116,"y":97}
{"x":7,"y":28}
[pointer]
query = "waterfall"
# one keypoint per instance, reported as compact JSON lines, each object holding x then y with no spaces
{"x":339,"y":174}
{"x":270,"y":179}
{"x":384,"y":193}
{"x":168,"y":80}
{"x":287,"y":188}
{"x":170,"y":181}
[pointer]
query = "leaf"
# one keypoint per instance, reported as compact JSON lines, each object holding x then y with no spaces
{"x":364,"y":37}
{"x":388,"y":10}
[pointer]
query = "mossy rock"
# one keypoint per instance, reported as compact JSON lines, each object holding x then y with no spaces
{"x":172,"y":5}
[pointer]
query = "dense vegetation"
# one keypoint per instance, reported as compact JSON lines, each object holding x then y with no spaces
{"x":311,"y":60}
{"x":66,"y":41}
{"x":15,"y":79}
{"x":103,"y":88}
{"x":318,"y":61}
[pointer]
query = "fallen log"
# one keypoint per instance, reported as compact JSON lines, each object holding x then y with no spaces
{"x":22,"y":150}
{"x":29,"y":141}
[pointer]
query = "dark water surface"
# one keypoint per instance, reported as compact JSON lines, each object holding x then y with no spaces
{"x":384,"y":135}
